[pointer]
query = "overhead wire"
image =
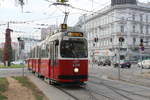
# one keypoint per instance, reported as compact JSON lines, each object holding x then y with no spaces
{"x":34,"y":20}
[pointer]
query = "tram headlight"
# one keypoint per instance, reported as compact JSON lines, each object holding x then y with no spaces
{"x":76,"y":70}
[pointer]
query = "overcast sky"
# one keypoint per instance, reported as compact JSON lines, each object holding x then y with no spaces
{"x":39,"y":12}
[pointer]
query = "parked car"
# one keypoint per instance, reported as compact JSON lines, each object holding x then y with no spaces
{"x":100,"y":63}
{"x":106,"y":62}
{"x":144,"y":64}
{"x":18,"y":62}
{"x":123,"y":64}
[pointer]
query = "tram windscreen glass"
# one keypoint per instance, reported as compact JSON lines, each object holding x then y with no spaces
{"x":74,"y":48}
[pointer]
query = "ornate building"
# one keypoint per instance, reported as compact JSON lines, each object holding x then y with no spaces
{"x":128,"y":19}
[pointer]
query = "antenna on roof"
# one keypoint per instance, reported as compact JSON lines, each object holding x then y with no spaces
{"x":63,"y":3}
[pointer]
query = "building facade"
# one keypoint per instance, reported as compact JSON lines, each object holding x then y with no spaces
{"x":45,"y":31}
{"x":128,"y":20}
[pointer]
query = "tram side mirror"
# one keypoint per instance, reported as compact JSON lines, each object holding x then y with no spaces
{"x":56,"y":42}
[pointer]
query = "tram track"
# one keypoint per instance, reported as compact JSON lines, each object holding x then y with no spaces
{"x":115,"y":89}
{"x":115,"y":92}
{"x":98,"y":93}
{"x":61,"y":89}
{"x":67,"y":92}
{"x":90,"y":93}
{"x":93,"y":94}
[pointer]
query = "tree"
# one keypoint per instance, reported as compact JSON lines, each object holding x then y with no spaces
{"x":1,"y":54}
{"x":7,"y":57}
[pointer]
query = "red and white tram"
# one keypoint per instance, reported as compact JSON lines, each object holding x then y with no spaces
{"x":62,"y":57}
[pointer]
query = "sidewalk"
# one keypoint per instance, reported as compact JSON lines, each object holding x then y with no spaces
{"x":50,"y":91}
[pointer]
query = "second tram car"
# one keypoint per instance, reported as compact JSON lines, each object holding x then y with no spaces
{"x":62,"y":57}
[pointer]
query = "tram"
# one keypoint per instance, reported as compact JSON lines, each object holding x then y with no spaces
{"x":62,"y":57}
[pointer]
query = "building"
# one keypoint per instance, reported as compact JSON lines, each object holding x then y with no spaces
{"x":127,"y":19}
{"x":28,"y":44}
{"x":46,"y":31}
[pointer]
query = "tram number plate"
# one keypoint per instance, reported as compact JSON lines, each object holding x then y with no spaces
{"x":76,"y":65}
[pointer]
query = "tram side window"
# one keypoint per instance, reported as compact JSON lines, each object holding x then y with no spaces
{"x":44,"y":51}
{"x":33,"y":53}
{"x":37,"y":52}
{"x":51,"y":50}
{"x":56,"y":52}
{"x":30,"y":56}
{"x":56,"y":55}
{"x":47,"y":51}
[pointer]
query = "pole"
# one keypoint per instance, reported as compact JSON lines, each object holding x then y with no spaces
{"x":20,"y":54}
{"x":119,"y":62}
{"x":141,"y":61}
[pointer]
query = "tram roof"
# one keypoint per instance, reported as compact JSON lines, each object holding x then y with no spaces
{"x":58,"y":35}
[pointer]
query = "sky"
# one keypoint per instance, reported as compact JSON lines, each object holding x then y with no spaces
{"x":37,"y":12}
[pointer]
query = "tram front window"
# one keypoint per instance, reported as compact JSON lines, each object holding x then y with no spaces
{"x":74,"y":48}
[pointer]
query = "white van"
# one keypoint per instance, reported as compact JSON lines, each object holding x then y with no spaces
{"x":144,"y":63}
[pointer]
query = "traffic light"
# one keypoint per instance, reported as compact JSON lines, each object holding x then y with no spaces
{"x":21,"y":43}
{"x":121,"y":39}
{"x":141,"y":40}
{"x":95,"y":39}
{"x":19,"y":38}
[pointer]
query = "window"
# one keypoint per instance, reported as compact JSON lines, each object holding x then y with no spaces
{"x":74,"y":48}
{"x":147,"y":18}
{"x":146,"y":41}
{"x":122,"y":28}
{"x":44,"y":51}
{"x":134,"y":40}
{"x":133,"y":28}
{"x":133,"y":17}
{"x":141,"y":28}
{"x":147,"y":30}
{"x":141,"y":17}
{"x":37,"y":52}
{"x":112,"y":28}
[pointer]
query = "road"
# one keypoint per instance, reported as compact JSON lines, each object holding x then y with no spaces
{"x":99,"y":87}
{"x":107,"y":71}
{"x":6,"y":72}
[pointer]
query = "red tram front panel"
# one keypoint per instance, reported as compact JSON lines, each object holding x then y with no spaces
{"x":66,"y":71}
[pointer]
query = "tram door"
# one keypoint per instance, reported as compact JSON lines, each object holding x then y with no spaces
{"x":54,"y":59}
